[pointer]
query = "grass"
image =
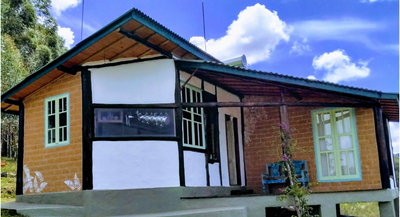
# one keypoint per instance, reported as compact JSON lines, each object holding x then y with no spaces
{"x":8,"y":185}
{"x":365,"y":209}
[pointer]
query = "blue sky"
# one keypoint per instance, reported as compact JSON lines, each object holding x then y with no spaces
{"x":350,"y":42}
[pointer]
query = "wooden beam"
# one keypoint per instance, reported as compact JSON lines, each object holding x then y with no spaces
{"x":382,"y":150}
{"x":69,"y":70}
{"x":87,"y":131}
{"x":178,"y":125}
{"x":145,"y":43}
{"x":274,"y":104}
{"x":103,"y":49}
{"x":13,"y":102}
{"x":10,"y":112}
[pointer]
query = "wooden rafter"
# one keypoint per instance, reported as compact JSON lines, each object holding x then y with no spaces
{"x":122,"y":52}
{"x":103,"y":49}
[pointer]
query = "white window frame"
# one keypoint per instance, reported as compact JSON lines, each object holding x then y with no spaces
{"x":192,"y":121}
{"x":57,"y":122}
{"x":335,"y":142}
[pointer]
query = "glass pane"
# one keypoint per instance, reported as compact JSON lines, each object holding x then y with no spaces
{"x":343,"y":162}
{"x":53,"y":107}
{"x":134,"y":122}
{"x":347,"y":125}
{"x":327,"y":124}
{"x":53,"y":136}
{"x":325,"y":144}
{"x":187,"y":115}
{"x":190,"y":132}
{"x":49,"y":107}
{"x":65,"y":134}
{"x":350,"y":163}
{"x":201,"y":135}
{"x":49,"y":136}
{"x":196,"y":134}
{"x":197,"y":118}
{"x":51,"y":121}
{"x":183,"y":94}
{"x":188,"y":99}
{"x":63,"y":119}
{"x":65,"y":104}
{"x":320,"y":125}
{"x":332,"y":169}
{"x":198,"y":97}
{"x":185,"y":131}
{"x":60,"y":105}
{"x":60,"y":134}
{"x":345,"y":142}
{"x":339,"y":122}
{"x":324,"y":165}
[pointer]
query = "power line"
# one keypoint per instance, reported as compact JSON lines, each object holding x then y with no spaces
{"x":83,"y":9}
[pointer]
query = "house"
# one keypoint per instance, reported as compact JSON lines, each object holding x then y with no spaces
{"x":136,"y":117}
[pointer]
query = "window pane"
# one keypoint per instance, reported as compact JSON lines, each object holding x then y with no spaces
{"x":332,"y":169}
{"x":325,"y":144}
{"x":187,"y":115}
{"x":53,"y":136}
{"x":324,"y":165}
{"x":196,"y":134}
{"x":347,"y":125}
{"x":185,"y":131}
{"x":49,"y":136}
{"x":201,"y":134}
{"x":190,"y":132}
{"x":345,"y":142}
{"x":60,"y":134}
{"x":327,"y":124}
{"x":63,"y":119}
{"x":49,"y":108}
{"x":339,"y":122}
{"x":65,"y":134}
{"x":134,"y":122}
{"x":197,"y":118}
{"x":51,"y":121}
{"x":350,"y":163}
{"x":343,"y":162}
{"x":53,"y":107}
{"x":188,"y":99}
{"x":60,"y":105}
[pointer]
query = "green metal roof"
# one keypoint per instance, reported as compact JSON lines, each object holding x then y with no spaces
{"x":274,"y":77}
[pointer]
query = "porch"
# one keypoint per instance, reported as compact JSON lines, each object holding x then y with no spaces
{"x":187,"y":201}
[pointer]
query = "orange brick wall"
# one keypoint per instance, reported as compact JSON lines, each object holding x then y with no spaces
{"x":263,"y":143}
{"x":56,"y":164}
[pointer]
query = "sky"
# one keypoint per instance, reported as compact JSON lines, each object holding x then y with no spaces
{"x":349,"y":42}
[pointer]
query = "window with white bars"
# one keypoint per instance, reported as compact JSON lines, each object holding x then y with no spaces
{"x":57,"y":120}
{"x":192,"y":120}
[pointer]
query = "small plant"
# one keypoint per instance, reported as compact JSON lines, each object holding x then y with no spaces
{"x":294,"y":191}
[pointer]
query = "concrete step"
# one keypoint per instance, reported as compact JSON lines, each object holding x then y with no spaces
{"x":207,"y":212}
{"x":36,"y":210}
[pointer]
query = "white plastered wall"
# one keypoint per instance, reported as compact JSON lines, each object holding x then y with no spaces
{"x":135,"y":164}
{"x":195,"y":169}
{"x":224,"y":96}
{"x":136,"y":83}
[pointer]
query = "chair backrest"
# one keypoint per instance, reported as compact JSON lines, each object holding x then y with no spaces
{"x":276,"y":169}
{"x":299,"y":166}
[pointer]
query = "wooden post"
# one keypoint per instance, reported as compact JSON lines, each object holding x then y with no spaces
{"x":20,"y":160}
{"x":87,"y":131}
{"x":382,"y":150}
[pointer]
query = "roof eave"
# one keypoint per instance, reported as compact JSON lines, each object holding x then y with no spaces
{"x":190,"y":64}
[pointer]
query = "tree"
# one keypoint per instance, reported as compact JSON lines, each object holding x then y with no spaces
{"x":29,"y":41}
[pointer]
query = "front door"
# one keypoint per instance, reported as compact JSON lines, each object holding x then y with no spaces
{"x":232,"y":143}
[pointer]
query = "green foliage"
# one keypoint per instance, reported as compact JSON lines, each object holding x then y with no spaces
{"x":8,"y":185}
{"x":294,"y":191}
{"x":365,"y":209}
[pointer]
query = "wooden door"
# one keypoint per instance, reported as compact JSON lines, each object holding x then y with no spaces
{"x":232,"y":145}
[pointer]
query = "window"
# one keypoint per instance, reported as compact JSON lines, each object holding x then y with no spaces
{"x":192,"y":126}
{"x":211,"y":128}
{"x":336,"y":147}
{"x":134,"y":122}
{"x":57,"y":120}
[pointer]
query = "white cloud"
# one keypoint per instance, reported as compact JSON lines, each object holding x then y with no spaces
{"x":59,"y":6}
{"x":255,"y":33}
{"x":311,"y":77}
{"x":300,"y":47}
{"x":345,"y":29}
{"x":67,"y":35}
{"x":339,"y":67}
{"x":394,"y":133}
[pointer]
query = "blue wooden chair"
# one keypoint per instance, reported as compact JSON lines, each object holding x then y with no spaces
{"x":275,"y":174}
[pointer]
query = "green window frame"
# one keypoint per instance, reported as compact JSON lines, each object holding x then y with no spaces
{"x":336,"y":145}
{"x":57,"y":121}
{"x":192,"y":118}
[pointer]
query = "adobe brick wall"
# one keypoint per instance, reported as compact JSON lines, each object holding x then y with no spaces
{"x":56,"y":164}
{"x":263,"y":141}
